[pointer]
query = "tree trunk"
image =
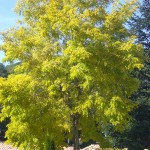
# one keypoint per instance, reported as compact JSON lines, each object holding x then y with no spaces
{"x":76,"y":133}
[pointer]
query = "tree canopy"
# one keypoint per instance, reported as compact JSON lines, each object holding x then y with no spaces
{"x":76,"y":60}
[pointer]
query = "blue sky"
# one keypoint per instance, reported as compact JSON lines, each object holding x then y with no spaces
{"x":8,"y":17}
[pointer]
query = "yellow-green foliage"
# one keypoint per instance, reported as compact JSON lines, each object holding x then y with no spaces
{"x":76,"y":58}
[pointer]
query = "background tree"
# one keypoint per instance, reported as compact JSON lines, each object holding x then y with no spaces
{"x":3,"y":71}
{"x":74,"y":73}
{"x":138,"y":135}
{"x":4,"y":74}
{"x":10,"y":67}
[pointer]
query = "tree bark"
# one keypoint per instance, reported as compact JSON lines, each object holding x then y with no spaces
{"x":76,"y":132}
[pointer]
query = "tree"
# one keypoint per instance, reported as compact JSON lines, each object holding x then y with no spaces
{"x":4,"y":74}
{"x":50,"y":144}
{"x":10,"y":68}
{"x":3,"y":71}
{"x":138,"y":135}
{"x":74,"y":73}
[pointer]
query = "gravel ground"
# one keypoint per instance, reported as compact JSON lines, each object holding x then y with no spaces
{"x":6,"y":147}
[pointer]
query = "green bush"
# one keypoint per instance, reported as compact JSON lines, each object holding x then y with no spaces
{"x":49,"y":144}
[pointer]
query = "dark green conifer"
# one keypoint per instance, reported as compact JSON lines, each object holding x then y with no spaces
{"x":137,"y":137}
